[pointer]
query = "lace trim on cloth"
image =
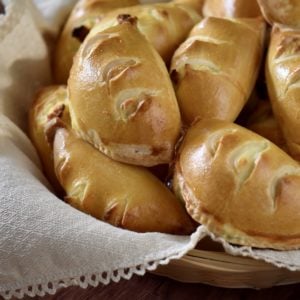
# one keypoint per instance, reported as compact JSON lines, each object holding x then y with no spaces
{"x":104,"y":277}
{"x":247,"y":251}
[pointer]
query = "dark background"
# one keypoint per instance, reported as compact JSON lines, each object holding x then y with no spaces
{"x":151,"y":287}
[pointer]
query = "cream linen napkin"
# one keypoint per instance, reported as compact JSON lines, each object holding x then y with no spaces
{"x":45,"y":243}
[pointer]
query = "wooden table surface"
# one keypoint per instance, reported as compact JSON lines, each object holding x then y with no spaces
{"x":152,"y":287}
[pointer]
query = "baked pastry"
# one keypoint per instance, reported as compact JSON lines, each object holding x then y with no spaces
{"x":231,"y":8}
{"x":278,"y":11}
{"x":49,"y":106}
{"x":239,"y":185}
{"x":195,"y":4}
{"x":215,"y":69}
{"x":121,"y":97}
{"x":263,"y":122}
{"x":165,"y":25}
{"x":282,"y":73}
{"x":83,"y":17}
{"x":126,"y":196}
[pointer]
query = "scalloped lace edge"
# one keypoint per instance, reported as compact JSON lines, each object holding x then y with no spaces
{"x":249,"y":252}
{"x":105,"y":277}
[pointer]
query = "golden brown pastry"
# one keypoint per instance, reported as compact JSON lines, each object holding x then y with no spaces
{"x":231,"y":8}
{"x":263,"y":122}
{"x":165,"y":25}
{"x":84,"y":16}
{"x":195,"y":4}
{"x":215,"y":69}
{"x":49,"y":106}
{"x":240,"y":185}
{"x":282,"y":72}
{"x":122,"y":195}
{"x":121,"y":97}
{"x":285,"y":12}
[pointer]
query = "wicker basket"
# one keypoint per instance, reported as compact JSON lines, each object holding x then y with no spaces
{"x":209,"y":264}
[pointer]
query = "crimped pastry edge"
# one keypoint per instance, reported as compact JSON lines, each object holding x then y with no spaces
{"x":226,"y":231}
{"x":135,"y":154}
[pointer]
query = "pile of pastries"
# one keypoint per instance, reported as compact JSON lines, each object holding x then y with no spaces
{"x":161,"y":119}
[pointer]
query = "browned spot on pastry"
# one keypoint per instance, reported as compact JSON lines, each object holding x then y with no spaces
{"x":51,"y":127}
{"x":57,"y":113}
{"x":157,"y":150}
{"x":164,"y":13}
{"x":80,"y":33}
{"x":127,"y":18}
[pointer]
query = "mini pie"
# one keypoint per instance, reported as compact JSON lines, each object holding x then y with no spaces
{"x":125,"y":196}
{"x":240,"y":185}
{"x":215,"y":69}
{"x":283,"y":75}
{"x":49,"y":106}
{"x":121,"y":97}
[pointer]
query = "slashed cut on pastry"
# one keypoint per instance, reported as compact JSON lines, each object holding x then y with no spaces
{"x":165,"y":25}
{"x":231,"y":8}
{"x":83,"y":17}
{"x":215,"y":69}
{"x":125,"y":196}
{"x":283,"y":82}
{"x":121,"y":97}
{"x":47,"y":109}
{"x":240,"y":185}
{"x":285,"y":12}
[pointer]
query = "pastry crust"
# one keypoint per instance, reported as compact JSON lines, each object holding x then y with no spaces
{"x":241,"y":186}
{"x":231,"y":8}
{"x":285,"y":12}
{"x":121,"y":97}
{"x":263,"y":122}
{"x":195,"y":4}
{"x":50,"y":104}
{"x":165,"y":25}
{"x":282,"y":73}
{"x":215,"y":69}
{"x":125,"y":196}
{"x":83,"y":17}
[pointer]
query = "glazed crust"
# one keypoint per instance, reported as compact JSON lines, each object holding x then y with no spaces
{"x":50,"y":103}
{"x":282,"y":73}
{"x":231,"y":8}
{"x":215,"y":69}
{"x":197,"y":5}
{"x":279,"y":11}
{"x":121,"y":97}
{"x":263,"y":122}
{"x":83,"y":17}
{"x":241,"y":186}
{"x":165,"y":25}
{"x":125,"y":196}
